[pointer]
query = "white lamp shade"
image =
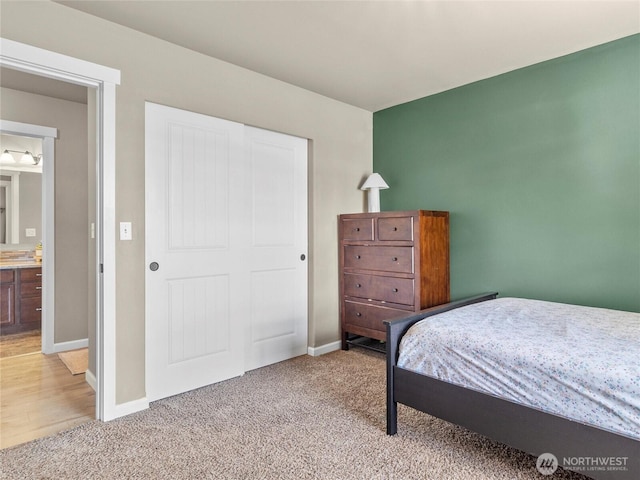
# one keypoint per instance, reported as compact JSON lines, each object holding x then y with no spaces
{"x":27,"y":159}
{"x":7,"y":158}
{"x":374,"y":181}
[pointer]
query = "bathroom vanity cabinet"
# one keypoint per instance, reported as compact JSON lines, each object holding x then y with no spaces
{"x":20,"y":299}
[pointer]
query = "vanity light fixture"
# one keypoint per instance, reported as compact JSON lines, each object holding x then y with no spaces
{"x":7,"y":158}
{"x":27,"y":157}
{"x":374,"y":184}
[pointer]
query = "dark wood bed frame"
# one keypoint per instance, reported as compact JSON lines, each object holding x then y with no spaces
{"x":518,"y":426}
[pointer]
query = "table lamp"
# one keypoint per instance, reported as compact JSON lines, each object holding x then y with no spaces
{"x":374,"y":183}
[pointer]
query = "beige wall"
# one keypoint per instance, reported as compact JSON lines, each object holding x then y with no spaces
{"x":341,"y":150}
{"x":70,"y":118}
{"x":30,"y":207}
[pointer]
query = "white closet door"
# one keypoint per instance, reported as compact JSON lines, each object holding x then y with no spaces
{"x":226,"y":227}
{"x":195,"y":184}
{"x":277,"y":326}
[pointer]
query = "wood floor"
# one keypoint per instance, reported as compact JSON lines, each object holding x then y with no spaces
{"x":20,"y":343}
{"x":40,"y":397}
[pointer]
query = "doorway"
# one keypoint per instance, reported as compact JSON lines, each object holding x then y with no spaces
{"x":41,"y":62}
{"x":43,"y":393}
{"x":21,"y":236}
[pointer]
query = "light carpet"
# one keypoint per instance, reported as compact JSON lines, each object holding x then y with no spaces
{"x":306,"y":418}
{"x":77,"y":361}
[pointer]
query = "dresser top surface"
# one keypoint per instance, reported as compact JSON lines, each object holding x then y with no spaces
{"x":403,"y":213}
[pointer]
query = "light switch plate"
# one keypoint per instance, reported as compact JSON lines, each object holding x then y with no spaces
{"x":125,"y":231}
{"x":29,"y":232}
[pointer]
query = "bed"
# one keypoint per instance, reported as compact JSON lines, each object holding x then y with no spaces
{"x":526,"y":392}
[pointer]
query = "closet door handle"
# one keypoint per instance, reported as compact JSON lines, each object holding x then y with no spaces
{"x":153,"y":266}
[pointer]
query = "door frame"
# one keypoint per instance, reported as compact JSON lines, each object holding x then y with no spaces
{"x":48,"y":136}
{"x":38,"y":61}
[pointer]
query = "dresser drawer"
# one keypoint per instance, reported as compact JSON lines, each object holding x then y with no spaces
{"x":357,"y":229}
{"x":370,"y":316}
{"x":30,"y":275}
{"x":30,"y":310}
{"x":385,"y":289}
{"x":385,"y":259}
{"x":395,"y":228}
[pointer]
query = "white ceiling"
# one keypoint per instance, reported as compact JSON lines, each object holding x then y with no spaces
{"x":376,"y":54}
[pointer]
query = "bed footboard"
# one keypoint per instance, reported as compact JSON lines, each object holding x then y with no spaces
{"x":396,"y":329}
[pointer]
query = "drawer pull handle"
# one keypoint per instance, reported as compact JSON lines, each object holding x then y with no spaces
{"x":395,"y":259}
{"x":358,"y":285}
{"x":358,"y":314}
{"x":38,"y":274}
{"x":38,"y":288}
{"x":38,"y":309}
{"x":395,"y":290}
{"x":358,"y":257}
{"x":395,"y":229}
{"x":357,"y":229}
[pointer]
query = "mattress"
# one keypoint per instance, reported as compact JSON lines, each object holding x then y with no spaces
{"x":581,"y":363}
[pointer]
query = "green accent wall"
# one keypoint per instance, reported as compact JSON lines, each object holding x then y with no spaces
{"x":540,"y":171}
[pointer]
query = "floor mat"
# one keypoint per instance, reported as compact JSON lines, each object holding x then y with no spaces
{"x":77,"y":361}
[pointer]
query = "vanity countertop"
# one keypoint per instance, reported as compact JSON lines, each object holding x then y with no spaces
{"x":18,"y":258}
{"x":21,"y":263}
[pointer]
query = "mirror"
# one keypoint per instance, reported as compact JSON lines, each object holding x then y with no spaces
{"x":20,"y":195}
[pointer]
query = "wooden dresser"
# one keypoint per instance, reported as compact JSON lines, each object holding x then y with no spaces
{"x":391,"y":264}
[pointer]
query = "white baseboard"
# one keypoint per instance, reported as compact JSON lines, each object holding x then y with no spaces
{"x":90,"y":378}
{"x":322,"y":349}
{"x":72,"y":345}
{"x":122,"y":409}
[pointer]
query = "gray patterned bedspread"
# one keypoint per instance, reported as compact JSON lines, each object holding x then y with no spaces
{"x":581,"y":363}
